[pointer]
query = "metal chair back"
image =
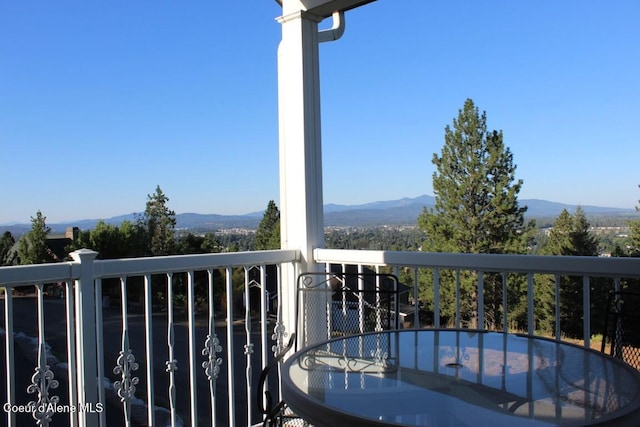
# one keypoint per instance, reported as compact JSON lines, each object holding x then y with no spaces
{"x":621,"y":337}
{"x":336,"y":304}
{"x":331,"y":305}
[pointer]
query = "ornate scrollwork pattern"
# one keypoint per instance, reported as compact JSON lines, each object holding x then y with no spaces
{"x":380,"y":357}
{"x":279,"y":336}
{"x":459,"y":358}
{"x":171,"y":365}
{"x":248,"y":349}
{"x":458,"y":355}
{"x":212,"y":364}
{"x":126,"y":364}
{"x":41,"y":382}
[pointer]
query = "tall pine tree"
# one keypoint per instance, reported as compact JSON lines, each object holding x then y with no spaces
{"x":32,"y":248}
{"x":7,"y":255}
{"x":159,"y":223}
{"x":476,"y":195}
{"x":570,"y":236}
{"x":476,"y":207}
{"x":634,"y":234}
{"x":268,"y":232}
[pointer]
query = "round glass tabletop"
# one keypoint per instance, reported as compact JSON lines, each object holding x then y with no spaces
{"x":458,"y":378}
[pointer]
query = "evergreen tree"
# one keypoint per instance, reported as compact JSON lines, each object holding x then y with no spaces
{"x":476,"y":199}
{"x":7,"y":255}
{"x":192,"y":244}
{"x":570,"y":236}
{"x":634,"y":235}
{"x":159,"y":222}
{"x":476,"y":207}
{"x":210,"y":243}
{"x":268,"y":232}
{"x":189,"y":243}
{"x":32,"y":248}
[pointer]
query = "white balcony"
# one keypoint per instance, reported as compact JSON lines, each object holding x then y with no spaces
{"x":186,"y":353}
{"x":181,"y":340}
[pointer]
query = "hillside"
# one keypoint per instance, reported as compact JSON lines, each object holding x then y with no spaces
{"x":391,"y":212}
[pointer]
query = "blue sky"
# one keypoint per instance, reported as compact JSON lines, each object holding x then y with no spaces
{"x":102,"y":101}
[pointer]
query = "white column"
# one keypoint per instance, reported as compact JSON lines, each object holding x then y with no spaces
{"x":302,"y":222}
{"x":301,"y":214}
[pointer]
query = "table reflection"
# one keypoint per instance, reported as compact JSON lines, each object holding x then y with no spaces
{"x":459,"y":378}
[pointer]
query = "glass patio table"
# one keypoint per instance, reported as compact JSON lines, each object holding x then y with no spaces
{"x":447,"y":377}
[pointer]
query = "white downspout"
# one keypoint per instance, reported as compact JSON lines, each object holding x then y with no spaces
{"x":336,"y":31}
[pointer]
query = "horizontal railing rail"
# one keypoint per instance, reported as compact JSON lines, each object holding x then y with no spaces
{"x":548,"y":264}
{"x":183,"y":263}
{"x":20,"y":275}
{"x":531,"y":266}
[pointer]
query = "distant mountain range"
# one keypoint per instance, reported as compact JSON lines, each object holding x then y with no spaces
{"x":392,"y":212}
{"x":406,"y":211}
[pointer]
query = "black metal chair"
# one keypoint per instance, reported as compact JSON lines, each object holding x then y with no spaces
{"x":279,"y":414}
{"x":343,"y":304}
{"x":621,"y":337}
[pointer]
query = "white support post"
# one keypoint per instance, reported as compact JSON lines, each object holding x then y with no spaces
{"x":86,"y":344}
{"x":301,"y":205}
{"x":302,"y":222}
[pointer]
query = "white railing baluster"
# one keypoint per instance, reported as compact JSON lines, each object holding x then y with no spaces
{"x":556,"y":286}
{"x":530,"y":297}
{"x":279,"y":334}
{"x":230,"y":347}
{"x":126,"y":362}
{"x":416,"y":298}
{"x":10,"y":353}
{"x":436,"y":298}
{"x":99,"y":305}
{"x":360,"y":301}
{"x":171,"y":364}
{"x":43,"y":379}
{"x":378,"y":310}
{"x":71,"y":350}
{"x":458,"y":316}
{"x":248,"y":346}
{"x":191,"y":302}
{"x":480,"y":302}
{"x":148,"y":322}
{"x":586,"y":307}
{"x":211,"y":349}
{"x":264,"y":293}
{"x":505,"y":302}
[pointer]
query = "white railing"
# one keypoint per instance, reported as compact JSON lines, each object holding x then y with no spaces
{"x":586,"y":268}
{"x":126,"y":339}
{"x":200,"y":364}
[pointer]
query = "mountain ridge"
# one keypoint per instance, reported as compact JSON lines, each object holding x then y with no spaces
{"x":390,"y":212}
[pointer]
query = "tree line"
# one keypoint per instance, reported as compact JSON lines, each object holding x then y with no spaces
{"x":152,"y":233}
